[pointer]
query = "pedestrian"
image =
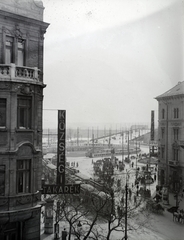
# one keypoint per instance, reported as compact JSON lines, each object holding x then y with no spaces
{"x":135,"y":200}
{"x":64,"y":234}
{"x":130,"y":193}
{"x":155,"y":177}
{"x":132,"y":164}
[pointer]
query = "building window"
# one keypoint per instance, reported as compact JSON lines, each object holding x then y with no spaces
{"x":163,"y":113}
{"x":11,"y":231}
{"x":175,"y":154}
{"x":23,"y":176}
{"x":15,"y":51}
{"x":162,"y":152}
{"x":24,"y":110}
{"x":176,"y":133}
{"x":176,"y":112}
{"x":162,"y":132}
{"x":21,"y":52}
{"x":9,"y":50}
{"x":2,"y":112}
{"x":2,"y":180}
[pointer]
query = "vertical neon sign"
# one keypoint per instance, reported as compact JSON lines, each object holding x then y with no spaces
{"x":61,"y":147}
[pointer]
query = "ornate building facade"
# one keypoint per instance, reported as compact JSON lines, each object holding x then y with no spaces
{"x":171,"y":141}
{"x":21,"y":96}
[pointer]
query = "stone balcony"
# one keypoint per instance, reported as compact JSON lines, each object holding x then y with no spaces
{"x":17,"y":202}
{"x":12,"y":72}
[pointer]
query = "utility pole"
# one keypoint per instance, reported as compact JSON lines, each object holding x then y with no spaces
{"x":93,"y":150}
{"x":88,"y":138}
{"x":77,"y":137}
{"x":48,"y":138}
{"x":167,"y":149}
{"x":136,"y":161}
{"x":122,"y":146}
{"x":126,"y":208}
{"x":128,"y":146}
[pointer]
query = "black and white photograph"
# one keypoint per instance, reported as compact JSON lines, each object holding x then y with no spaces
{"x":91,"y":119}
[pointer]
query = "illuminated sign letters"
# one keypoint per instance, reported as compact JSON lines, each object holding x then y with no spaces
{"x":60,"y":187}
{"x":61,"y":147}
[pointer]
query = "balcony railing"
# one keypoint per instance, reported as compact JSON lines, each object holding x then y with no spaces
{"x":13,"y":72}
{"x":174,"y":163}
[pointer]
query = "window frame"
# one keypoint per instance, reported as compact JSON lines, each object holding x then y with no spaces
{"x":3,"y":126}
{"x":23,"y":51}
{"x":176,"y":154}
{"x":176,"y":113}
{"x":163,"y":113}
{"x":2,"y":185}
{"x":162,"y":132}
{"x":10,"y":48}
{"x":26,"y":111}
{"x":162,"y":152}
{"x":176,"y":134}
{"x":15,"y":47}
{"x":23,"y":174}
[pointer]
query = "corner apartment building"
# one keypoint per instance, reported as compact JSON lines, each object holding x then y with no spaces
{"x":171,"y":140}
{"x":21,"y":96}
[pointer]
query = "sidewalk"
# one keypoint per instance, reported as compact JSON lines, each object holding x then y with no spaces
{"x":62,"y":225}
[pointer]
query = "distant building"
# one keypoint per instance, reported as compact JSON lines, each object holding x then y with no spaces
{"x":21,"y":96}
{"x":171,"y":140}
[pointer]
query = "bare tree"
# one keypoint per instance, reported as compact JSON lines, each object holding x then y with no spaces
{"x":120,"y":208}
{"x":81,"y":213}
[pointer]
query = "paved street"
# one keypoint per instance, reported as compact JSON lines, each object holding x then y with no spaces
{"x":158,"y":227}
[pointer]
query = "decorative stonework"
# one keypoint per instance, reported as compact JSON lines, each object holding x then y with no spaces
{"x":5,"y":86}
{"x":176,"y":145}
{"x":28,"y":8}
{"x":17,"y":32}
{"x":25,"y":150}
{"x":176,"y":124}
{"x":26,"y":89}
{"x":3,"y":201}
{"x":21,"y":200}
{"x":42,"y":32}
{"x":162,"y":124}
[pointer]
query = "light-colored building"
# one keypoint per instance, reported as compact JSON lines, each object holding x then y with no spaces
{"x":171,"y":142}
{"x":21,"y":97}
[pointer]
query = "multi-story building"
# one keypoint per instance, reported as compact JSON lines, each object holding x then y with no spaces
{"x":171,"y":140}
{"x":21,"y":96}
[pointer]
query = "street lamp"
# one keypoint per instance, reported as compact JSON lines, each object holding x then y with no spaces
{"x":126,"y":201}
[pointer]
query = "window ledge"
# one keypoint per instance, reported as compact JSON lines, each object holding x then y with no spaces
{"x":3,"y":129}
{"x":24,"y":130}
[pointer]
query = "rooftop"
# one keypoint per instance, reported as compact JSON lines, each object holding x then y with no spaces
{"x":27,"y":8}
{"x":175,"y":91}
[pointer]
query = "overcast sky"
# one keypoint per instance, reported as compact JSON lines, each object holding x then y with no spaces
{"x":106,"y":60}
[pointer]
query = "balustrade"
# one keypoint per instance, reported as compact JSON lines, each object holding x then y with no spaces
{"x":13,"y":72}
